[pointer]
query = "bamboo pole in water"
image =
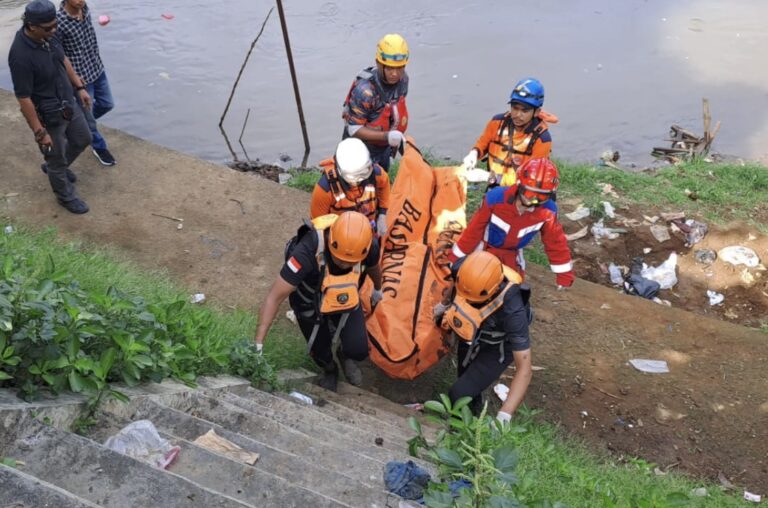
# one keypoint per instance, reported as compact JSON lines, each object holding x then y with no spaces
{"x":295,"y":82}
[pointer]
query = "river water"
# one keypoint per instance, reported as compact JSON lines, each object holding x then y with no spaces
{"x":618,"y":74}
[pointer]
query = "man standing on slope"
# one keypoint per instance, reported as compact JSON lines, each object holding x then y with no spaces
{"x":375,"y":110}
{"x":79,"y":41}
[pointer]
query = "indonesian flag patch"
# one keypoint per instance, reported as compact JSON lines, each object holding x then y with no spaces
{"x":294,"y":265}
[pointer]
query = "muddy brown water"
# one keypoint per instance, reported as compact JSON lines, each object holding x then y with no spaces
{"x":617,"y":73}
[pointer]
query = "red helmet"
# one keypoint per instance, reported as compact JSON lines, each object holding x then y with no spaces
{"x":538,"y":180}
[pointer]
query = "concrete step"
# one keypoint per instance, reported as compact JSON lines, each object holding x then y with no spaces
{"x":99,"y":475}
{"x":311,"y":422}
{"x":20,"y":490}
{"x":340,"y":455}
{"x":289,"y":468}
{"x":335,"y":413}
{"x":365,"y":403}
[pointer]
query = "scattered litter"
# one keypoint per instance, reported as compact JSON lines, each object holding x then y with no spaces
{"x":609,"y":210}
{"x":700,"y":492}
{"x":167,"y":16}
{"x":672,"y":216}
{"x":215,"y":443}
{"x":650,"y":366}
{"x":610,"y":158}
{"x":747,"y":277}
{"x":715,"y":298}
{"x":379,"y":441}
{"x":724,"y":481}
{"x":179,"y":226}
{"x":664,"y":274}
{"x":738,"y":255}
{"x":755,"y":498}
{"x":584,"y":414}
{"x":660,"y":233}
{"x":636,"y":284}
{"x":694,"y":231}
{"x":647,"y":250}
{"x":581,"y":212}
{"x":141,"y":441}
{"x":685,"y":145}
{"x":652,"y":220}
{"x":405,"y":479}
{"x":284,"y":178}
{"x":415,"y":406}
{"x":705,"y":256}
{"x":750,"y":237}
{"x":665,"y":415}
{"x":607,"y":188}
{"x":605,"y":306}
{"x":658,"y":300}
{"x":501,"y":391}
{"x":291,"y":316}
{"x":104,"y":20}
{"x":617,"y":277}
{"x":8,"y":230}
{"x":578,"y":234}
{"x":197,"y":298}
{"x":600,"y":231}
{"x":300,"y":396}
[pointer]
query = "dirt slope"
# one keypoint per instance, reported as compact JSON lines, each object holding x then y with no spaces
{"x":709,"y":414}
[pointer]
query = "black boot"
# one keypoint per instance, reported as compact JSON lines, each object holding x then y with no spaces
{"x":330,"y":376}
{"x":351,"y":371}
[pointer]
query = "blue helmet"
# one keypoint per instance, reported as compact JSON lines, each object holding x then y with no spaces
{"x":528,"y":91}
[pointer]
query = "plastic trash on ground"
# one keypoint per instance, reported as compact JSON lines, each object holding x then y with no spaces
{"x":664,"y":274}
{"x":291,"y":316}
{"x":501,"y":391}
{"x":650,"y":366}
{"x":197,"y":298}
{"x":215,"y":443}
{"x":580,"y":213}
{"x":755,"y":498}
{"x":610,"y":212}
{"x":600,"y":231}
{"x":617,"y":277}
{"x":739,"y":255}
{"x":715,"y":298}
{"x":705,"y":256}
{"x":405,"y":479}
{"x":141,"y":441}
{"x":300,"y":396}
{"x":8,"y":230}
{"x":578,"y":234}
{"x":660,"y":233}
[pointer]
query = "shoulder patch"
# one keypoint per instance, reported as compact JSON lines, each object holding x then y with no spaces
{"x":294,"y":264}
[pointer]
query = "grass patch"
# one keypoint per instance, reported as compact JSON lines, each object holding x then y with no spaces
{"x":115,"y":323}
{"x":528,"y":462}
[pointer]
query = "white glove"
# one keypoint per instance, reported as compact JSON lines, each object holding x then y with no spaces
{"x":395,"y":138}
{"x":259,"y":348}
{"x":503,"y":417}
{"x":440,"y":309}
{"x":376,"y":297}
{"x":470,"y":161}
{"x":381,"y":225}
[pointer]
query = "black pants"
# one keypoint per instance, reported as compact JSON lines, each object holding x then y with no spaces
{"x":480,"y":373}
{"x":69,"y":138}
{"x":353,"y":337}
{"x":380,"y":155}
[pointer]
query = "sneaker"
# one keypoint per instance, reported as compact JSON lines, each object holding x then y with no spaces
{"x":77,"y":206}
{"x":104,"y":157}
{"x":351,"y":371}
{"x":330,"y":378}
{"x":72,"y":177}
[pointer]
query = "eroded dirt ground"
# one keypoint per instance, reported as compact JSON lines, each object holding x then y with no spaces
{"x":708,"y":415}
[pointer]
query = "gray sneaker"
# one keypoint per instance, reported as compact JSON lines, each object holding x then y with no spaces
{"x":351,"y":371}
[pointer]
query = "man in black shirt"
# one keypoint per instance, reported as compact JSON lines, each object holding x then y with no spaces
{"x":321,"y":277}
{"x":45,"y":84}
{"x":489,"y":315}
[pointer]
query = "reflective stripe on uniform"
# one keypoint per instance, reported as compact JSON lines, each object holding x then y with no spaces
{"x":530,"y":229}
{"x":499,"y":222}
{"x":565,"y":267}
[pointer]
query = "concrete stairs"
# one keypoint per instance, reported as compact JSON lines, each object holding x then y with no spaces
{"x":329,"y":454}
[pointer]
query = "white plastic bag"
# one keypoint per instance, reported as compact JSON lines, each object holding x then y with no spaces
{"x":141,"y":441}
{"x":738,"y":255}
{"x":664,"y":274}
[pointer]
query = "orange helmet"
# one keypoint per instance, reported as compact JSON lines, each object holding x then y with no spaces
{"x":480,"y":275}
{"x":538,"y":180}
{"x":350,"y":237}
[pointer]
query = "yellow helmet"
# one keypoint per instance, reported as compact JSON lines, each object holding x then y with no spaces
{"x":392,"y":51}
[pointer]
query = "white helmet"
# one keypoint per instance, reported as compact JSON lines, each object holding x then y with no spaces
{"x":353,"y":161}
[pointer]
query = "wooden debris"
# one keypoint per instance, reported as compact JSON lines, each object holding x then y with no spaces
{"x":685,"y":145}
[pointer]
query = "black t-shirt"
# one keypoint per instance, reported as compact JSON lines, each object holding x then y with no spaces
{"x":38,"y":72}
{"x":511,"y":318}
{"x":302,"y":265}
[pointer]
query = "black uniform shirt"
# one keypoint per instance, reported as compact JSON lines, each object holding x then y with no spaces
{"x":302,"y":265}
{"x":38,"y":72}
